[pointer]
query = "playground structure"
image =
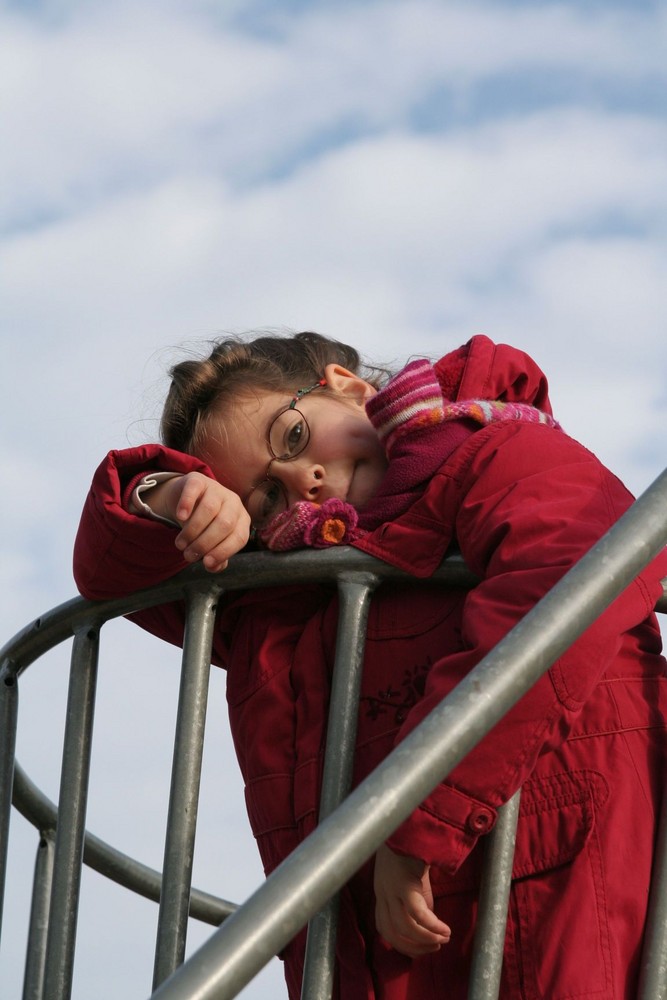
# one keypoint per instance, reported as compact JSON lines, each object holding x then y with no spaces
{"x":304,"y":887}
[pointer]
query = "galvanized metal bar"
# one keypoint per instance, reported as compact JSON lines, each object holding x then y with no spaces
{"x":256,"y":569}
{"x":35,"y":963}
{"x":64,"y":906}
{"x":653,"y":973}
{"x":487,"y":959}
{"x":327,"y":859}
{"x":259,"y":569}
{"x":113,"y":864}
{"x":354,"y":592}
{"x":59,"y":624}
{"x":9,"y":703}
{"x":185,"y":781}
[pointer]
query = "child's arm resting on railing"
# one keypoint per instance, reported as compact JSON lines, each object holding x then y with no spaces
{"x":214,"y":523}
{"x":118,"y":551}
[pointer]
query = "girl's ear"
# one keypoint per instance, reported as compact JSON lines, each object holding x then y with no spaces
{"x":346,"y":383}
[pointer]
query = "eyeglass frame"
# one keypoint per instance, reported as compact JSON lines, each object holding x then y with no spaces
{"x":292,"y":405}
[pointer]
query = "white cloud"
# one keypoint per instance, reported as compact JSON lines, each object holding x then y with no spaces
{"x":114,"y":101}
{"x":460,"y":204}
{"x":118,"y":97}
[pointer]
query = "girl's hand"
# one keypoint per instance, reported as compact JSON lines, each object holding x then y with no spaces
{"x":214,"y":523}
{"x":404,"y":905}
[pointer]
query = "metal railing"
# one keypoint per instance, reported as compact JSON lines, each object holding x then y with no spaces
{"x":304,"y":887}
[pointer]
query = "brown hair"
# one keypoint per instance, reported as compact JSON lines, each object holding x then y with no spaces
{"x":273,"y":363}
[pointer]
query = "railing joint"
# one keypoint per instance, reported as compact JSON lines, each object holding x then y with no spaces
{"x":363,"y":577}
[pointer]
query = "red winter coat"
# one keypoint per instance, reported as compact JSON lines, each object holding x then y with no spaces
{"x":523,"y":502}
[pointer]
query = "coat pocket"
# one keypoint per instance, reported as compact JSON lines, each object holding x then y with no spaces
{"x":557,"y":944}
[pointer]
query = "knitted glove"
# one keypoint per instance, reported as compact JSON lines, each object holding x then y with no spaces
{"x":309,"y":524}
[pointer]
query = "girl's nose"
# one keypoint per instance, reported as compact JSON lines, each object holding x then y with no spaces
{"x":302,"y":480}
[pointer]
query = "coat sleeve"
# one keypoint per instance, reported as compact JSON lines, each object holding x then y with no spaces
{"x":116,"y":552}
{"x":533,"y":502}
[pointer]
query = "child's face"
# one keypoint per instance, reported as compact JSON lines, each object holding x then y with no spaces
{"x":343,"y":457}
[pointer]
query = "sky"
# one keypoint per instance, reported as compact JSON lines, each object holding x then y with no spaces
{"x":400,"y":176}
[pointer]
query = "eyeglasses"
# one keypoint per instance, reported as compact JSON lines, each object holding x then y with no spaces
{"x":288,"y":437}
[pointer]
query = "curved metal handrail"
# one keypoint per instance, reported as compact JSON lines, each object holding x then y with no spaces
{"x":64,"y":621}
{"x":122,"y":869}
{"x":268,"y":570}
{"x":78,"y":616}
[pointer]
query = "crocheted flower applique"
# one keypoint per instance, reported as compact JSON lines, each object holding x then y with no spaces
{"x":312,"y":525}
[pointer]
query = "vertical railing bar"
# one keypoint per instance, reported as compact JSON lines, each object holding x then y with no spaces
{"x":9,"y":698}
{"x":33,"y":981}
{"x":653,"y":972}
{"x":75,"y":772}
{"x":494,"y":896}
{"x":185,"y":782}
{"x":354,"y":593}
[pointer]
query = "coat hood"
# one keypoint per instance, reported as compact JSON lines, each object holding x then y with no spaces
{"x":481,"y":369}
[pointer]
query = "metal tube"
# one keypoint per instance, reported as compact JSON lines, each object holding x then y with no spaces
{"x":354,"y":592}
{"x":9,"y":701}
{"x":113,"y":864}
{"x":256,"y":569}
{"x":328,"y":858}
{"x":33,"y":981}
{"x":653,"y":972}
{"x":61,"y":623}
{"x":487,"y":959}
{"x":75,"y":772}
{"x":185,"y":781}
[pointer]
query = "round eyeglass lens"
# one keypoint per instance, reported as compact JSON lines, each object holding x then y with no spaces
{"x":265,"y":502}
{"x":288,"y":434}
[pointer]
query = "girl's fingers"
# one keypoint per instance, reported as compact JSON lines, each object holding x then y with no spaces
{"x":414,"y":941}
{"x":219,"y":538}
{"x":214,"y":565}
{"x":218,"y":519}
{"x":199,"y":500}
{"x":408,"y":936}
{"x":192,"y":488}
{"x":422,"y":928}
{"x":425,"y":920}
{"x":205,"y":513}
{"x":404,"y":912}
{"x":218,"y":542}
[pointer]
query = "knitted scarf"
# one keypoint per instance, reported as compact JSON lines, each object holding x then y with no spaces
{"x":419,"y":429}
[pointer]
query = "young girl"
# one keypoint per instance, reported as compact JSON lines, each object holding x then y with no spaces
{"x":290,"y":439}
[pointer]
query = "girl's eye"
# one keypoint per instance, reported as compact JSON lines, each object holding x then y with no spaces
{"x":271,"y":500}
{"x":265,"y":502}
{"x":288,"y":435}
{"x":294,"y":440}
